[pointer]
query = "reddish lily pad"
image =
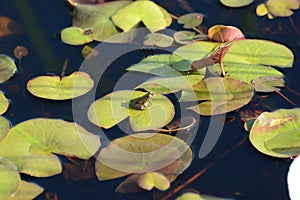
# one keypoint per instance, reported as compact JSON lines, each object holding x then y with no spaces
{"x":277,"y":133}
{"x":57,"y":88}
{"x":221,"y":33}
{"x":31,"y":144}
{"x":114,"y":108}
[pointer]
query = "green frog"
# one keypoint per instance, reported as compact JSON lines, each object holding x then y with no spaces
{"x":141,"y":103}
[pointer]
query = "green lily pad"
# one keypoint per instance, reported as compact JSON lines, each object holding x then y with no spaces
{"x":76,"y":36}
{"x":195,"y":196}
{"x":150,"y":180}
{"x":98,"y":18}
{"x":261,"y":52}
{"x":4,"y":127}
{"x":248,"y":72}
{"x":184,"y":37}
{"x":167,"y":86}
{"x":158,"y":65}
{"x":4,"y":103}
{"x":242,"y":60}
{"x":158,"y":39}
{"x":114,"y":108}
{"x":190,"y":20}
{"x":57,"y":88}
{"x":26,"y":191}
{"x":277,"y":8}
{"x":267,"y":83}
{"x":154,"y":17}
{"x":277,"y":133}
{"x":31,"y":144}
{"x":9,"y":178}
{"x":236,"y":3}
{"x":7,"y":67}
{"x":220,"y":95}
{"x":141,"y":153}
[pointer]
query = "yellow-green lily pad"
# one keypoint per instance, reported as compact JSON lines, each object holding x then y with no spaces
{"x":277,"y":133}
{"x":26,"y":191}
{"x":277,"y":8}
{"x":98,"y":18}
{"x":7,"y":67}
{"x":4,"y":103}
{"x":57,"y":88}
{"x":218,"y":95}
{"x":158,"y":39}
{"x":141,"y":153}
{"x":267,"y":83}
{"x":190,"y":20}
{"x":114,"y":108}
{"x":236,"y":3}
{"x":154,"y":17}
{"x":245,"y":59}
{"x":9,"y":178}
{"x":76,"y":36}
{"x":31,"y":144}
{"x":150,"y":180}
{"x":4,"y":127}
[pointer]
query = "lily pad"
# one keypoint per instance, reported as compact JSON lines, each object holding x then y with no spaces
{"x":184,"y":37}
{"x":114,"y":108}
{"x":150,"y":180}
{"x":277,"y":133}
{"x":4,"y":103}
{"x":34,"y":142}
{"x":293,"y":178}
{"x":7,"y":67}
{"x":167,"y":86}
{"x":236,"y":3}
{"x":154,"y":17}
{"x":98,"y":18}
{"x":9,"y":178}
{"x":141,"y":153}
{"x":26,"y":191}
{"x":4,"y":128}
{"x":158,"y":39}
{"x":221,"y":33}
{"x":267,"y":83}
{"x":242,"y":60}
{"x":76,"y":36}
{"x":57,"y":88}
{"x":191,"y":20}
{"x":219,"y":95}
{"x":277,"y":8}
{"x":195,"y":196}
{"x":157,"y":65}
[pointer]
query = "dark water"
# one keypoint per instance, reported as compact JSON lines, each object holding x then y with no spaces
{"x":242,"y":174}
